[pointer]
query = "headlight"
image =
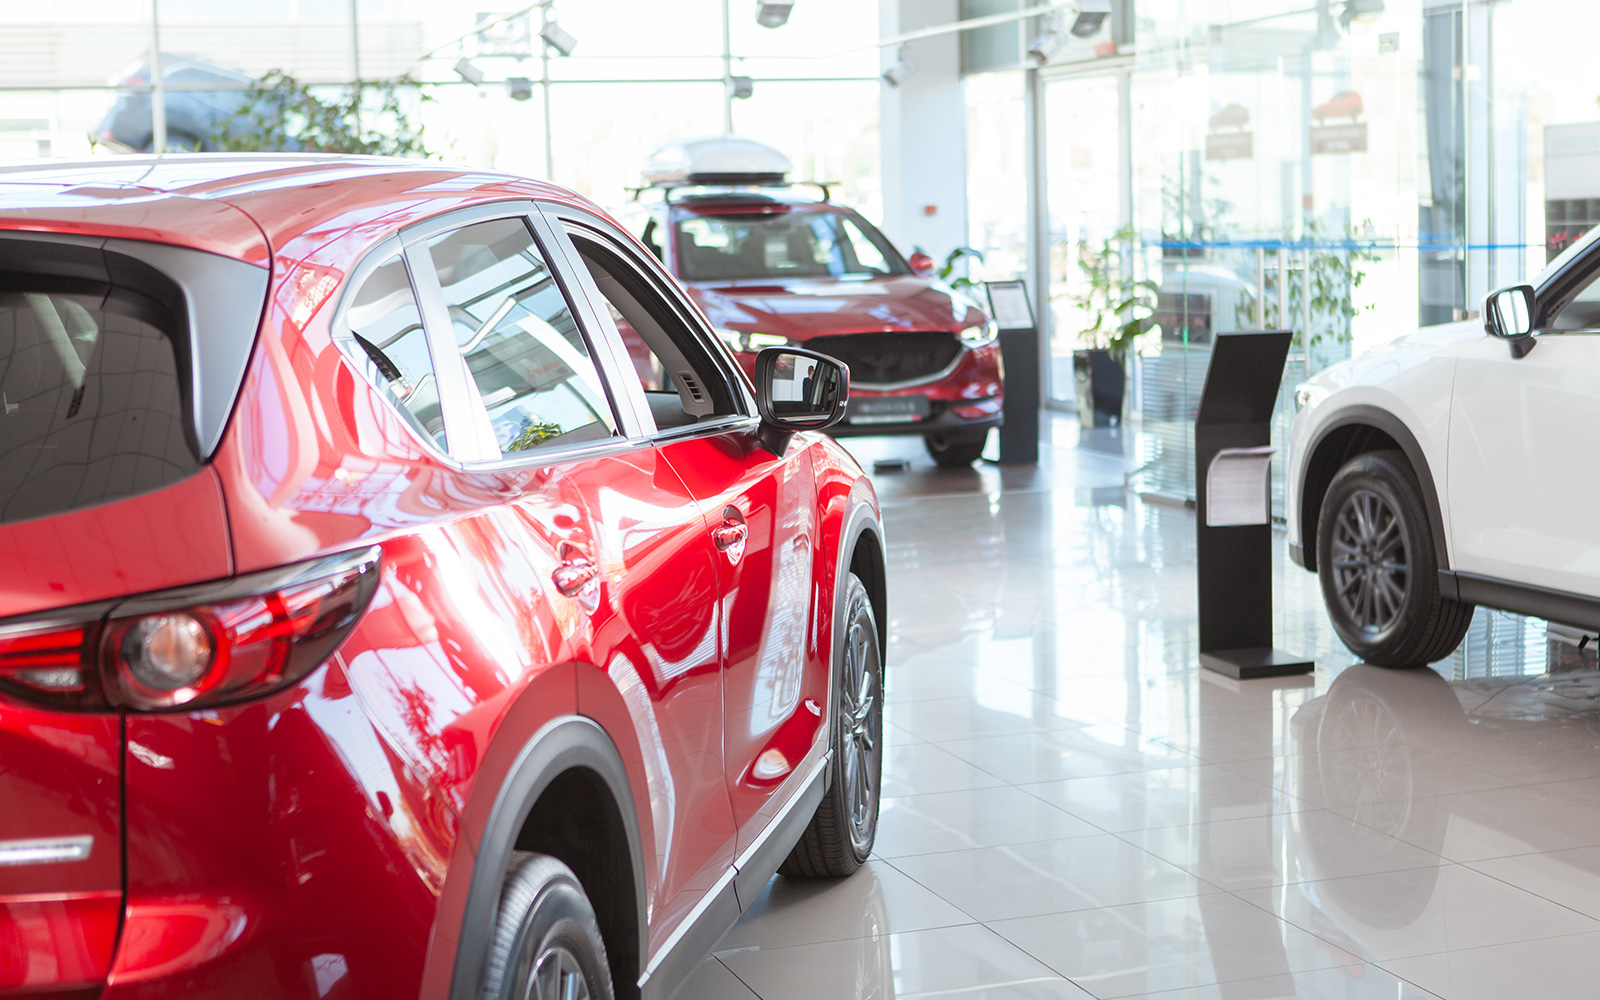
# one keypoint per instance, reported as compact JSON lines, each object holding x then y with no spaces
{"x":744,"y":342}
{"x":979,"y":336}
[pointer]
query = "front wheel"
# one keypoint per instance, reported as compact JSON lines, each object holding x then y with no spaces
{"x":1378,"y":567}
{"x":840,"y":835}
{"x":950,"y":452}
{"x":547,"y":944}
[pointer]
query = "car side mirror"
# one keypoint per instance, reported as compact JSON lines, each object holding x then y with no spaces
{"x":798,"y":390}
{"x":1508,"y":314}
{"x":921,"y":264}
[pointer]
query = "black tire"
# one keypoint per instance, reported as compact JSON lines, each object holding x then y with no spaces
{"x":546,"y":945}
{"x":954,"y":452}
{"x":839,"y":838}
{"x":1378,"y":567}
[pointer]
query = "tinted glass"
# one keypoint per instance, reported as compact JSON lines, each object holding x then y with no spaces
{"x":512,"y":323}
{"x":389,"y":339}
{"x":1583,"y":312}
{"x":91,"y":408}
{"x":806,"y":244}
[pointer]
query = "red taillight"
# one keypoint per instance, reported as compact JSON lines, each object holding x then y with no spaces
{"x":194,"y":647}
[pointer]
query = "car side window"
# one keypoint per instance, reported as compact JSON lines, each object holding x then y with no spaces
{"x":681,"y":381}
{"x":388,"y":338}
{"x":511,"y":322}
{"x":1582,"y":313}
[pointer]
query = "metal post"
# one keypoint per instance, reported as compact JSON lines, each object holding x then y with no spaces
{"x":355,"y":61}
{"x":544,"y":90}
{"x":158,"y":89}
{"x":1261,"y":288}
{"x":727,"y":69}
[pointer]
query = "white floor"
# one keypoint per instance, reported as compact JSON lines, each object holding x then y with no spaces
{"x":1073,"y":809}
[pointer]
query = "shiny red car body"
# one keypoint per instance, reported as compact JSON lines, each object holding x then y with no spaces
{"x":343,"y":835}
{"x":923,"y":358}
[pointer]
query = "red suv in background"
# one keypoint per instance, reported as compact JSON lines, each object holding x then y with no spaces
{"x":370,"y":627}
{"x":771,"y":268}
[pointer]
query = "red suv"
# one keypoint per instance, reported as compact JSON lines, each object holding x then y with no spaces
{"x":772,"y":268}
{"x":371,"y":626}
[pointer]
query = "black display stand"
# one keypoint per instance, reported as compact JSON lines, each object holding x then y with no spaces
{"x":1019,"y":349}
{"x":1234,"y":563}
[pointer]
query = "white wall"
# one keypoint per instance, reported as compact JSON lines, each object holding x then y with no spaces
{"x":923,"y":130}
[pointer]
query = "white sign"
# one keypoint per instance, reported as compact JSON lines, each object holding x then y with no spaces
{"x":1236,"y":487}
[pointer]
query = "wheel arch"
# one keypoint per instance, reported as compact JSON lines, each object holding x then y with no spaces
{"x":862,"y":552}
{"x":567,"y":795}
{"x":1359,"y":430}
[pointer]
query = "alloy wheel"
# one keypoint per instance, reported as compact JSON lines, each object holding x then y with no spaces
{"x":862,"y":725}
{"x":1369,"y":562}
{"x":558,"y":975}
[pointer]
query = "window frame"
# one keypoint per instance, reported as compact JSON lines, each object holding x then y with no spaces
{"x":476,"y":448}
{"x":650,"y":272}
{"x":344,"y":335}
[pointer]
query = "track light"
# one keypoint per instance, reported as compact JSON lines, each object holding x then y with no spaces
{"x":741,"y":87}
{"x":558,"y":38}
{"x":519,"y":87}
{"x":902,"y":70}
{"x":1091,"y":14}
{"x":773,"y":13}
{"x":1361,"y":10}
{"x":1041,"y":49}
{"x":468,"y":72}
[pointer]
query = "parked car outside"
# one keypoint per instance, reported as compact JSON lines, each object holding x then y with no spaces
{"x":370,"y":627}
{"x":200,"y":99}
{"x":1447,"y":470}
{"x":772,"y":266}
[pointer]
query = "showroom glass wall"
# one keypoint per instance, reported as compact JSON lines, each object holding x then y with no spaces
{"x":1347,"y":169}
{"x":641,"y":74}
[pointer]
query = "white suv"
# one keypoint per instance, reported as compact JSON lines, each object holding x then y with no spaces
{"x":1457,"y":467}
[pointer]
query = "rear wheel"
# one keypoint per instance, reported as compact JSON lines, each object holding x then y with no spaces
{"x":840,"y":836}
{"x":951,"y":452}
{"x":547,"y":944}
{"x":1378,"y":567}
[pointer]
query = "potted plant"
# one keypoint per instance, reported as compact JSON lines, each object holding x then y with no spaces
{"x":1121,"y":308}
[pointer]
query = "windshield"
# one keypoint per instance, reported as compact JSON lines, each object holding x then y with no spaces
{"x":808,"y":244}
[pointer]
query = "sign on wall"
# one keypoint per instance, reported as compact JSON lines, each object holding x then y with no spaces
{"x":1349,"y":136}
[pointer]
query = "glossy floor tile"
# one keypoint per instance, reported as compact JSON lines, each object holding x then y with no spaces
{"x":1072,"y":809}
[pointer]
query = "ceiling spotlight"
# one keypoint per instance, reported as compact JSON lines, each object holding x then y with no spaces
{"x":1361,"y":10}
{"x":902,"y":70}
{"x":519,"y":87}
{"x":742,"y":87}
{"x":1046,"y":45}
{"x":558,"y":38}
{"x":468,"y":72}
{"x":1091,"y":14}
{"x":773,"y":13}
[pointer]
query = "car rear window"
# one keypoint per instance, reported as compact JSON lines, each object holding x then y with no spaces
{"x":91,"y":401}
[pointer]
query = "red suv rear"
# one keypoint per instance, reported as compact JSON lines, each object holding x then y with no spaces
{"x":370,"y":626}
{"x":771,"y":267}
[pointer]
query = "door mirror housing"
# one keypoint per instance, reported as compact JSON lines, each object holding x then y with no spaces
{"x":798,"y":390}
{"x":1508,"y":314}
{"x":921,"y":264}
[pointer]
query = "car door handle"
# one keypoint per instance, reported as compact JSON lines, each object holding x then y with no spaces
{"x":730,"y":535}
{"x":573,"y":575}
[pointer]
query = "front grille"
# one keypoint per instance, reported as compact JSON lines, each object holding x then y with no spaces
{"x":877,"y":358}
